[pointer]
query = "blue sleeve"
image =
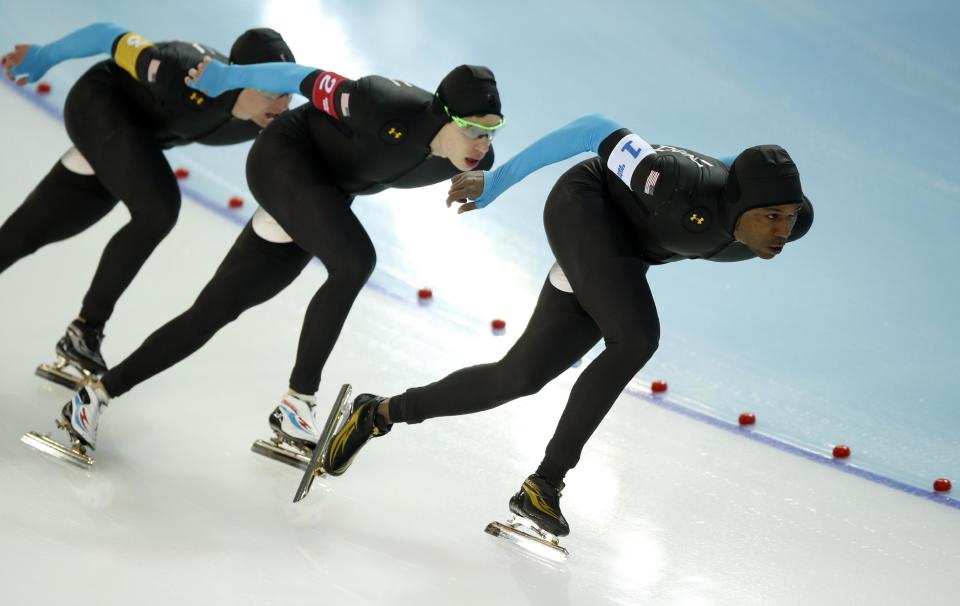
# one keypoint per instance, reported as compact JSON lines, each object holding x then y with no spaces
{"x":582,"y":135}
{"x":95,"y":39}
{"x":271,"y":77}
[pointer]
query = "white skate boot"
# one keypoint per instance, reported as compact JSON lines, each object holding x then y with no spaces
{"x":80,"y":418}
{"x":295,"y":433}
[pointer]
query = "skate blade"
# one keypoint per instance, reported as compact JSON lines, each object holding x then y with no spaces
{"x":48,"y":445}
{"x":283,"y":454}
{"x":530,"y":538}
{"x":55,"y":373}
{"x":315,"y":467}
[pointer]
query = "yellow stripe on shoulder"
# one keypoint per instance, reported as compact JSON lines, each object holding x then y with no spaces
{"x":128,"y":49}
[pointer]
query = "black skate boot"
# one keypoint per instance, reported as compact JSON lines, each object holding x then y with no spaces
{"x":539,"y":501}
{"x":364,"y":423}
{"x":78,"y":357}
{"x":81,"y":347}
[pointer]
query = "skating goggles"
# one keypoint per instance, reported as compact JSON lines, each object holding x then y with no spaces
{"x":474,"y":130}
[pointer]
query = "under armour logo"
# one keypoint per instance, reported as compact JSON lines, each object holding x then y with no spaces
{"x":198,"y":99}
{"x":696,"y":219}
{"x":393,"y":133}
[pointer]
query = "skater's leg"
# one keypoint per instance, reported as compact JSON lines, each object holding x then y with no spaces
{"x":349,"y":256}
{"x":253,"y":271}
{"x":62,"y":205}
{"x":618,"y":297}
{"x":284,"y":177}
{"x":130,"y":163}
{"x":138,"y":174}
{"x":559,"y":333}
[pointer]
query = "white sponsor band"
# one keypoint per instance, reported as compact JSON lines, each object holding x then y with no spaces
{"x":627,"y":155}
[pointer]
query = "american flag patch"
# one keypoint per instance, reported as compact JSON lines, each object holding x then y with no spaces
{"x":651,"y":183}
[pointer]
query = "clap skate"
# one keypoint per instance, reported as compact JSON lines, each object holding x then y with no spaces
{"x":294,"y":432}
{"x":79,"y":419}
{"x":78,"y":358}
{"x":536,"y":523}
{"x":316,"y":466}
{"x":341,"y":442}
{"x":363,"y":424}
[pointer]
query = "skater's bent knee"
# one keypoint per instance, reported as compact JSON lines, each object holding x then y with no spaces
{"x":354,"y":267}
{"x":156,"y":219}
{"x":637,"y":352}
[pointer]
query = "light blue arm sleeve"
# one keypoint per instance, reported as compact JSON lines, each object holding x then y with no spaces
{"x":95,"y":39}
{"x":271,"y":77}
{"x":582,"y":135}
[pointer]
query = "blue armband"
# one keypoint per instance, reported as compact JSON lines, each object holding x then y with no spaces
{"x":95,"y":39}
{"x":283,"y":78}
{"x":582,"y":135}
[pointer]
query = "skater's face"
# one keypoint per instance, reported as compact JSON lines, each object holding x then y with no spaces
{"x":259,"y":106}
{"x":766,"y":230}
{"x":461,"y":145}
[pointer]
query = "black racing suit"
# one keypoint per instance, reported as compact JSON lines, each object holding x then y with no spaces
{"x":305,"y":170}
{"x":604,"y":234}
{"x":121,"y":115}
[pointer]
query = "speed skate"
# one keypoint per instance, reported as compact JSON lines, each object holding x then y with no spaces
{"x":76,"y":453}
{"x":66,"y":373}
{"x":317,"y":466}
{"x":79,"y":361}
{"x":529,"y":536}
{"x":79,"y":418}
{"x":295,"y":453}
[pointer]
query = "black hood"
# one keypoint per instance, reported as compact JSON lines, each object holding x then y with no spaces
{"x":760,"y":176}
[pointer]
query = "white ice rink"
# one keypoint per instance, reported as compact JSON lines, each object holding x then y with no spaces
{"x":665,"y":509}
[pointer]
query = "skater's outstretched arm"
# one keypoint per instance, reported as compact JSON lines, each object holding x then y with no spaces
{"x":28,"y":63}
{"x":327,"y":90}
{"x":215,"y":78}
{"x":582,"y":135}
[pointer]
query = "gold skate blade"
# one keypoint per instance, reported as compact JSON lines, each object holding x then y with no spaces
{"x":55,"y":374}
{"x":281,"y":454}
{"x":48,"y":445}
{"x":317,"y":462}
{"x":535,"y":544}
